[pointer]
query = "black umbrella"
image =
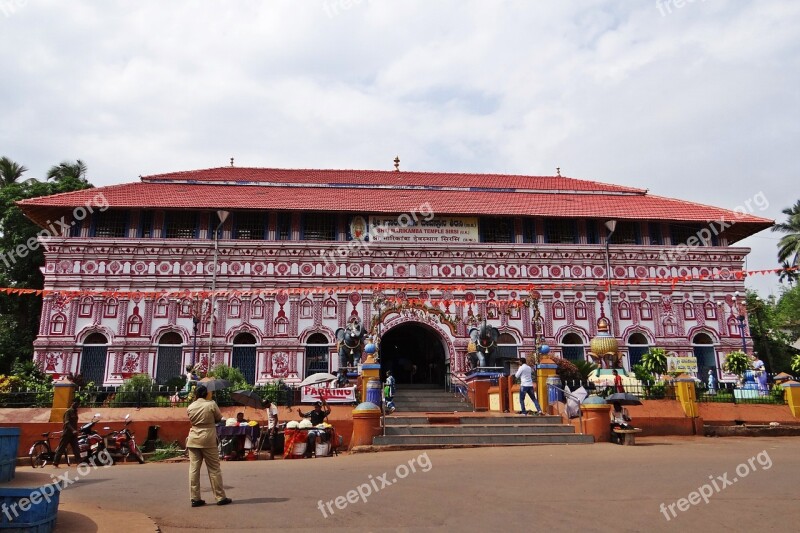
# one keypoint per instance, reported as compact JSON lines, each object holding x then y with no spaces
{"x":624,"y":398}
{"x":247,"y":398}
{"x":214,"y":384}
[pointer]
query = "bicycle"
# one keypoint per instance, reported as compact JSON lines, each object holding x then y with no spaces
{"x":41,"y":453}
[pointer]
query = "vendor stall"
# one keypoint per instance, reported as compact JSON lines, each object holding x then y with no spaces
{"x":295,"y":443}
{"x":235,"y":442}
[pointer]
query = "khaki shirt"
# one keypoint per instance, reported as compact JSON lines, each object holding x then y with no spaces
{"x":203,"y":414}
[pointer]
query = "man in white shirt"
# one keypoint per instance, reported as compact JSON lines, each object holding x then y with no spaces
{"x":525,"y":376}
{"x":272,"y":425}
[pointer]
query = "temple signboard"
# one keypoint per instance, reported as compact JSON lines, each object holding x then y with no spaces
{"x":438,"y":229}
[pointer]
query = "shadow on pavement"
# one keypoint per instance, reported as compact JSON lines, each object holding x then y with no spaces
{"x":68,"y":522}
{"x":261,"y":500}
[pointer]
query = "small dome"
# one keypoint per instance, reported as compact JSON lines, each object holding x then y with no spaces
{"x":603,"y":343}
{"x":367,"y":406}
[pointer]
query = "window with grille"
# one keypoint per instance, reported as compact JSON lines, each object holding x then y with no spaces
{"x":529,"y":230}
{"x":146,"y":224}
{"x":181,"y":225}
{"x":249,"y":226}
{"x":592,"y":232}
{"x":283,"y":229}
{"x":110,"y":224}
{"x":560,"y":231}
{"x":498,"y":230}
{"x":319,"y":227}
{"x":682,"y":233}
{"x":656,"y":238}
{"x":626,"y":233}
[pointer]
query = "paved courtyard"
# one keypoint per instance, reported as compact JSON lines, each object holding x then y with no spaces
{"x":749,"y":483}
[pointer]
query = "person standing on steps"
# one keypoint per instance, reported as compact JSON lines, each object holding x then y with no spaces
{"x":389,"y":390}
{"x":202,"y":446}
{"x":525,"y":376}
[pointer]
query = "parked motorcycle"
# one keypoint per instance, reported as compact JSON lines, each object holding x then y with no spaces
{"x":90,"y":441}
{"x":120,"y":444}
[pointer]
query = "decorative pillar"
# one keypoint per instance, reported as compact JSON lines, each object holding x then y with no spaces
{"x":545,"y":369}
{"x":684,"y":390}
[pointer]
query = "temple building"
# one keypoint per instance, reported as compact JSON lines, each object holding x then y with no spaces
{"x":285,"y":258}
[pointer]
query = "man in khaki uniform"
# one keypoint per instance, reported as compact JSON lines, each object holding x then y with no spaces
{"x":202,"y":446}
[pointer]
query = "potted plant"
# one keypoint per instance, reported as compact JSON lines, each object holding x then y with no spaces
{"x":737,"y":363}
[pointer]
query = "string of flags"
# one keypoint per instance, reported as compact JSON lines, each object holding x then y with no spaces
{"x":382,"y":287}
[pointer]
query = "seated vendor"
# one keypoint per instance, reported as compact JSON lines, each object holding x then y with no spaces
{"x":619,"y":420}
{"x":240,"y":419}
{"x":317,"y":416}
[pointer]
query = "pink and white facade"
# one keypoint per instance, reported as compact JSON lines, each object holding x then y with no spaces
{"x":130,"y":282}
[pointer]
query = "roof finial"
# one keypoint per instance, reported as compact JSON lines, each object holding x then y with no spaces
{"x":397,"y":163}
{"x":231,"y":161}
{"x":558,"y":171}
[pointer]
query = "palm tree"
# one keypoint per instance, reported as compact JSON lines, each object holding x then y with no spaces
{"x":10,"y":171}
{"x":789,"y":245}
{"x":67,"y":170}
{"x":789,"y":273}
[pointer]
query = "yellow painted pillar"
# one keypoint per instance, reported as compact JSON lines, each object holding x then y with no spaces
{"x":369,"y":371}
{"x":546,"y":368}
{"x":63,"y":395}
{"x":684,"y":391}
{"x":791,"y":391}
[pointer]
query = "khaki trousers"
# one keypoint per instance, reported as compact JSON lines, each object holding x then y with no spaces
{"x":211,"y":457}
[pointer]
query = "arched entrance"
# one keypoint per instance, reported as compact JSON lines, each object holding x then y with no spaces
{"x":703,"y":348}
{"x":168,"y":358}
{"x":415,"y":353}
{"x":244,"y":356}
{"x":93,"y":358}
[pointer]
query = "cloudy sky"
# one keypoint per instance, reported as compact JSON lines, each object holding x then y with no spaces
{"x":699,"y":102}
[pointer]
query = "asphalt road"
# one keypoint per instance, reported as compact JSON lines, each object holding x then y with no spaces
{"x":601,"y":487}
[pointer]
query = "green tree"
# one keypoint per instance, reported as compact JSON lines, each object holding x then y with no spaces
{"x":655,"y":361}
{"x":19,"y":314}
{"x":68,"y":171}
{"x":789,"y":245}
{"x":10,"y":171}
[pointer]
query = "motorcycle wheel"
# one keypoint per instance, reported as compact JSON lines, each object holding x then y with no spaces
{"x":38,"y":455}
{"x":139,"y":456}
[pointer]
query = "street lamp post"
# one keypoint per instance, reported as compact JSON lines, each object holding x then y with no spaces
{"x":611,"y":225}
{"x":195,"y":321}
{"x":223,"y":215}
{"x":740,"y":316}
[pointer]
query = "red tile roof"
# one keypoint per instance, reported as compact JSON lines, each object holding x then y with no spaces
{"x":393,"y":192}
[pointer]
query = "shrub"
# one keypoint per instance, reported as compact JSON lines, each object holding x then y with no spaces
{"x":585,"y":368}
{"x":137,"y":390}
{"x":234,"y":376}
{"x":567,"y":371}
{"x":795,"y":366}
{"x":737,"y":363}
{"x":642,"y":374}
{"x":655,"y":361}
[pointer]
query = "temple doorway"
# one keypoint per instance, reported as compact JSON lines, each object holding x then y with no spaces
{"x":415,"y":353}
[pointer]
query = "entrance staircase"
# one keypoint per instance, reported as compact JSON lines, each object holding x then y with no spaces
{"x":429,"y":417}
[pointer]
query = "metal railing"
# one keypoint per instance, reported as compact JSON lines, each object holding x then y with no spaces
{"x":645,"y":391}
{"x":731,"y":393}
{"x":27,"y":398}
{"x":459,"y":388}
{"x":570,"y":396}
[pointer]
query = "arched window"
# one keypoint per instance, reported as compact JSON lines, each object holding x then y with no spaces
{"x":330,"y":308}
{"x":162,"y":305}
{"x":688,"y":310}
{"x":710,"y":310}
{"x":645,"y":311}
{"x":669,"y":327}
{"x":93,"y":358}
{"x":134,"y":326}
{"x":703,"y":348}
{"x":86,"y":306}
{"x":306,"y":308}
{"x":244,"y":356}
{"x":58,"y":325}
{"x":580,"y":310}
{"x":168,"y":357}
{"x":317,"y":349}
{"x":185,"y":309}
{"x":234,"y":308}
{"x":572,"y":347}
{"x":624,"y":311}
{"x":112,"y":305}
{"x":507,"y":346}
{"x":257,"y":308}
{"x":637,"y":347}
{"x":733,"y":327}
{"x":559,"y":311}
{"x":491,"y":311}
{"x":281,"y":326}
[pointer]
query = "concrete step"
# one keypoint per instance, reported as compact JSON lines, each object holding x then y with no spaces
{"x":474,"y":429}
{"x":408,"y":418}
{"x":483,"y":439}
{"x":433,"y":408}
